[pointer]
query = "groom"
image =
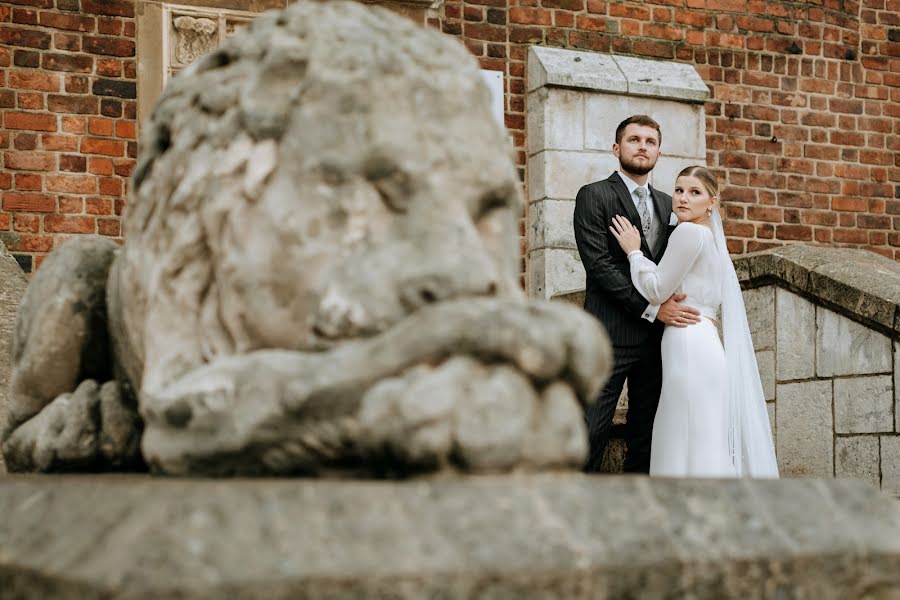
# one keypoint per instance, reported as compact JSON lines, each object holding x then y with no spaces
{"x":635,"y":328}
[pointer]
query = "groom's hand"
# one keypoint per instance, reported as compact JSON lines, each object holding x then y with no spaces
{"x":677,"y":315}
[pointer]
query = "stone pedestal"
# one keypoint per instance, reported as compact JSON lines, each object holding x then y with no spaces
{"x":551,"y":536}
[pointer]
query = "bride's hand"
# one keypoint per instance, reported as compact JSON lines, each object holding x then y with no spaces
{"x":626,"y":234}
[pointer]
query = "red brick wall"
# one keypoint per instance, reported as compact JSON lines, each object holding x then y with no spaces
{"x":802,"y":126}
{"x":67,"y":104}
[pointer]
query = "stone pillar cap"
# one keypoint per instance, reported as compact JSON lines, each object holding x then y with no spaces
{"x":559,"y":67}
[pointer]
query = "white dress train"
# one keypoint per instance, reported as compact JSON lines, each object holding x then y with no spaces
{"x":690,"y":432}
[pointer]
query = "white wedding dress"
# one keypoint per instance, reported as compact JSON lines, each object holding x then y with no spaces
{"x":691,"y":430}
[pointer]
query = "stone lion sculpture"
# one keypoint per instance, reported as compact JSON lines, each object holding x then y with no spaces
{"x":320,"y":276}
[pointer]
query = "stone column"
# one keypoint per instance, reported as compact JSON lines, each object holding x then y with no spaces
{"x":575,"y":101}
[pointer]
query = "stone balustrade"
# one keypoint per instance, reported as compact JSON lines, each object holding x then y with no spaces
{"x":826,"y":330}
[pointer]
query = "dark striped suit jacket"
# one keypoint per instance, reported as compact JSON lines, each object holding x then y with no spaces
{"x":609,"y":295}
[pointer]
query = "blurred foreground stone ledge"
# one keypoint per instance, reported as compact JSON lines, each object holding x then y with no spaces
{"x":549,"y":536}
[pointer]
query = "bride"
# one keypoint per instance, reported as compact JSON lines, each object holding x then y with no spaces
{"x":712,"y":419}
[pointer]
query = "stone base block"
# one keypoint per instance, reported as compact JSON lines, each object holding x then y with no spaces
{"x":550,"y":536}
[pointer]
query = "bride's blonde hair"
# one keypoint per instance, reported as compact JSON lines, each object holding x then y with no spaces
{"x":704,"y":175}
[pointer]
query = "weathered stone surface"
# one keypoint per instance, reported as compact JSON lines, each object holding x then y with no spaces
{"x":805,"y":429}
{"x":521,"y":537}
{"x":574,"y":297}
{"x":863,"y":405}
{"x":765,"y":360}
{"x":667,"y":169}
{"x":795,"y":336}
{"x":760,"y":305}
{"x":368,"y":317}
{"x":573,"y":69}
{"x":854,"y":282}
{"x":550,"y":225}
{"x":555,"y":120}
{"x":559,"y":174}
{"x":890,"y":464}
{"x":844,"y":347}
{"x":60,"y":341}
{"x":558,"y":67}
{"x":662,"y":79}
{"x":12,"y":288}
{"x":553,"y":270}
{"x":682,"y":126}
{"x":857,"y":457}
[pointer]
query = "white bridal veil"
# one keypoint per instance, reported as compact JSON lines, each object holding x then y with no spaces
{"x":749,"y":432}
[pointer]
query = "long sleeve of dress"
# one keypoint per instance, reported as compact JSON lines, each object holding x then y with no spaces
{"x":657,"y":282}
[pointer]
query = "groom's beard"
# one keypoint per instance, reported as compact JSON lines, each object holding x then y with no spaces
{"x":633,"y":168}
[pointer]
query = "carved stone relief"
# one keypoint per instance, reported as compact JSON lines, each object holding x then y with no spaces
{"x":193,"y":32}
{"x":194,"y":37}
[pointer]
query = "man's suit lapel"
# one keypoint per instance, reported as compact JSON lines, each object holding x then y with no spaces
{"x":664,"y":212}
{"x":627,"y":205}
{"x":663,"y":208}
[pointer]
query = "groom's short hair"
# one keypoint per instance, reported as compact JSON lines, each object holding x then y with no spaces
{"x":637,"y":120}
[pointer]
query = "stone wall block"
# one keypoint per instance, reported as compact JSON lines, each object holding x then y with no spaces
{"x":795,"y":336}
{"x":857,"y":457}
{"x":682,"y":124}
{"x":536,"y":277}
{"x":863,"y":405}
{"x":805,"y":429}
{"x":765,"y":360}
{"x":534,"y":121}
{"x":560,"y":174}
{"x":890,"y":464}
{"x":667,"y":170}
{"x":555,"y":120}
{"x":562,"y":271}
{"x":537,"y":173}
{"x":844,"y":347}
{"x":760,"y":305}
{"x":554,"y":270}
{"x":550,"y":224}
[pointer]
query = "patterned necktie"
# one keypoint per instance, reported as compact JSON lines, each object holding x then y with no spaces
{"x":643,"y":209}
